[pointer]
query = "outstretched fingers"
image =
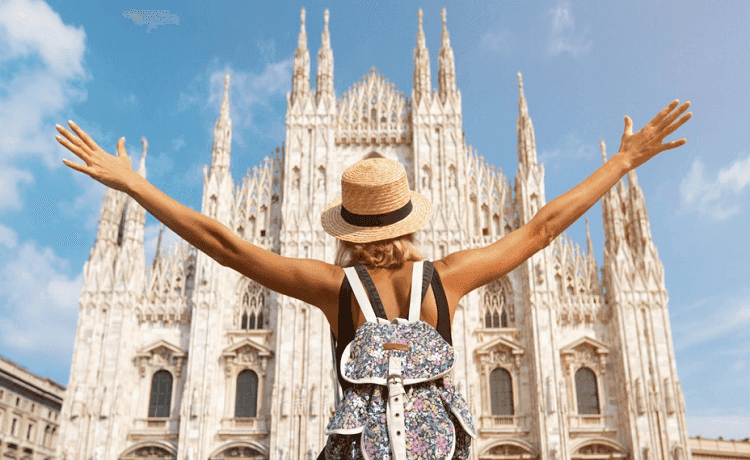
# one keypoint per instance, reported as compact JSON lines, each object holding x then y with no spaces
{"x":76,"y":166}
{"x":674,"y":115}
{"x":84,"y":136}
{"x":659,"y":118}
{"x":673,"y":127}
{"x":73,"y":145}
{"x":72,"y":142}
{"x":673,"y":144}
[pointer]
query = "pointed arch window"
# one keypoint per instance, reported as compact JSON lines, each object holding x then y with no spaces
{"x":501,"y":392}
{"x":586,"y":391}
{"x":252,"y":307}
{"x":161,"y":395}
{"x":498,"y":309}
{"x":246,"y":400}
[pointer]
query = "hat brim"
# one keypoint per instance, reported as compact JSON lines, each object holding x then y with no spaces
{"x":336,"y":226}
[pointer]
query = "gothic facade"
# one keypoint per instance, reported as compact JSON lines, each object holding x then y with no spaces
{"x":186,"y":359}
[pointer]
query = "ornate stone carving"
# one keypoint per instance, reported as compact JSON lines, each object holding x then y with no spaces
{"x":640,"y":396}
{"x":161,"y":355}
{"x":245,"y":354}
{"x":585,"y":351}
{"x":373,"y":110}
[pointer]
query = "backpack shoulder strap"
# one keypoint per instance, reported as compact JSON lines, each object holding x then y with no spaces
{"x":415,"y":302}
{"x":360,"y":294}
{"x":372,"y":292}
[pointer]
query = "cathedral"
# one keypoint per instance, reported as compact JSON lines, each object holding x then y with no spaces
{"x":182,"y":358}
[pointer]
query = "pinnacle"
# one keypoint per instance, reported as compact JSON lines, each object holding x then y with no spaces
{"x":142,"y":165}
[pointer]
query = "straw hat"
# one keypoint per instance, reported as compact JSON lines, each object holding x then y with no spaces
{"x":376,"y":204}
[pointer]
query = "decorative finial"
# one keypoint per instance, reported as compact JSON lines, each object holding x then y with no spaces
{"x":224,"y":108}
{"x":444,"y":36}
{"x":421,"y":42}
{"x":520,"y":81}
{"x":326,"y":15}
{"x":302,"y":17}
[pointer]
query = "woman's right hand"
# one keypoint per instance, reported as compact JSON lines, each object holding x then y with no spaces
{"x":114,"y":171}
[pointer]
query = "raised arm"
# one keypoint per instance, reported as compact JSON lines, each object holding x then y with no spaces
{"x":467,"y":270}
{"x":311,"y":281}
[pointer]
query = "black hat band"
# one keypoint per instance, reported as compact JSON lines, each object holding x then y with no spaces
{"x":376,"y":220}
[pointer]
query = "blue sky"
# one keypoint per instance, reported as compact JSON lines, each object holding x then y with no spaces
{"x":585,"y":65}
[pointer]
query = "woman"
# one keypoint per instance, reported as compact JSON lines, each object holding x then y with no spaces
{"x":380,"y":243}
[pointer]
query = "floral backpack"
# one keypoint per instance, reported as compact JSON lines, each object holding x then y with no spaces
{"x":398,"y":401}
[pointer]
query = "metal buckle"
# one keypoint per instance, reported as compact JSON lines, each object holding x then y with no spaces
{"x":392,"y":379}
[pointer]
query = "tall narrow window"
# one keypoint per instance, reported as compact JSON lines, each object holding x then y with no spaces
{"x":498,"y":306}
{"x":501,"y":392}
{"x":247,"y":394}
{"x":161,"y":395}
{"x":586,"y":392}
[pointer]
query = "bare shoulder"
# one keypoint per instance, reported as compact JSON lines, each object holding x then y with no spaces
{"x":463,"y":271}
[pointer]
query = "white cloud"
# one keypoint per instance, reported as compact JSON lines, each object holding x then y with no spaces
{"x":8,"y":237}
{"x":88,"y":204}
{"x":248,"y":90}
{"x":10,"y":182}
{"x":39,"y":307}
{"x":718,"y":323}
{"x":179,"y":143}
{"x":713,"y":426}
{"x":47,"y":57}
{"x":715,"y":197}
{"x":563,"y":37}
{"x":574,"y":147}
{"x":501,"y":41}
{"x":31,"y":26}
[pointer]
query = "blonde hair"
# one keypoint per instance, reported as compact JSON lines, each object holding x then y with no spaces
{"x":391,"y":253}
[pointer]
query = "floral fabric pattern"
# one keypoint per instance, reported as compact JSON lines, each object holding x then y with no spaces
{"x":438,"y":421}
{"x":456,"y":402}
{"x":429,"y":356}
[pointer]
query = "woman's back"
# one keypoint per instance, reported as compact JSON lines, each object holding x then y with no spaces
{"x":394,"y":288}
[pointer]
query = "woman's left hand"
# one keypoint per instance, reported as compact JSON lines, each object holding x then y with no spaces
{"x":645,"y":144}
{"x":114,"y":171}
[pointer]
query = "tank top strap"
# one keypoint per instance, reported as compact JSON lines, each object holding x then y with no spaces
{"x":444,"y":317}
{"x":360,"y":294}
